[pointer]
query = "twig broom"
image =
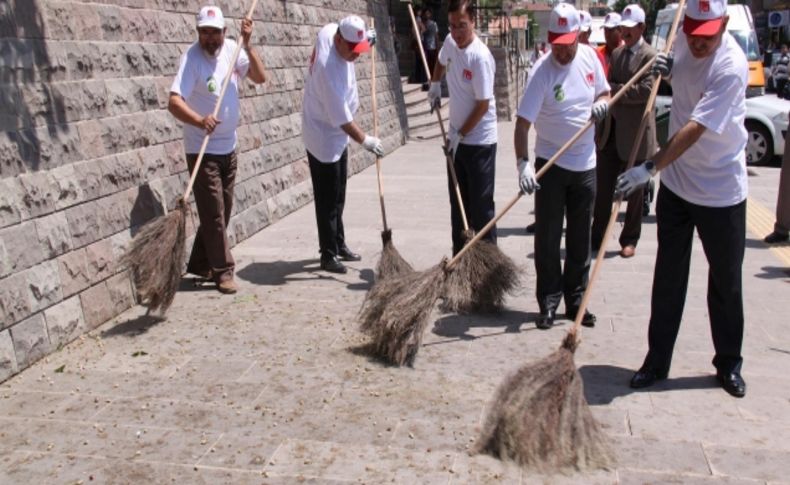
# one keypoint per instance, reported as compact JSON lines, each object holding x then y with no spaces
{"x":540,"y":417}
{"x":391,"y":263}
{"x":156,"y":254}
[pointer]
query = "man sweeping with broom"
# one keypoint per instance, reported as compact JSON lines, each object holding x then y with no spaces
{"x":193,"y":97}
{"x":703,"y":186}
{"x":330,"y":102}
{"x":565,"y":89}
{"x":472,"y":139}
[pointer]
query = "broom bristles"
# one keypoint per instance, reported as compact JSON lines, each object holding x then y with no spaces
{"x":391,"y":263}
{"x":156,"y":256}
{"x":541,"y":419}
{"x":396,"y":311}
{"x":480,"y":280}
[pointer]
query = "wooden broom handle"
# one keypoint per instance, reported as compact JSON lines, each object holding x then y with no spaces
{"x":548,"y":165}
{"x":450,"y":163}
{"x":648,"y":112}
{"x":217,"y":106}
{"x":376,"y":126}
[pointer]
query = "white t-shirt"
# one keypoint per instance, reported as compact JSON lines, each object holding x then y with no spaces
{"x":330,"y":99}
{"x":199,"y":81}
{"x":712,"y":92}
{"x":470,"y":78}
{"x":557,"y":101}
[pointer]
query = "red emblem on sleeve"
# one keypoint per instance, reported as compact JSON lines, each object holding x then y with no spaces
{"x":467,"y":74}
{"x":590,"y":78}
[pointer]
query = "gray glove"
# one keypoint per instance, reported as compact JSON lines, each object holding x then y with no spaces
{"x":599,"y":110}
{"x":634,"y":178}
{"x":662,"y":65}
{"x":453,"y":140}
{"x":371,"y":35}
{"x":526,"y":177}
{"x":373,"y":145}
{"x":435,"y":95}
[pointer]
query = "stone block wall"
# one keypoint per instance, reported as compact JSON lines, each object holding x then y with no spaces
{"x":89,"y":153}
{"x":509,"y":82}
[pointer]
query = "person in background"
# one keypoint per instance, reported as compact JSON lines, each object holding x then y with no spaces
{"x":420,"y":76}
{"x":780,"y":73}
{"x":430,"y":42}
{"x":613,"y":36}
{"x":781,"y":232}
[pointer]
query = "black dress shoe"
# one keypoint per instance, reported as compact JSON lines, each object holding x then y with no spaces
{"x":546,"y":320}
{"x":733,"y":383}
{"x":530,"y":229}
{"x":646,"y":377}
{"x":776,"y":237}
{"x":588,"y":320}
{"x":333,"y":266}
{"x":346,"y":254}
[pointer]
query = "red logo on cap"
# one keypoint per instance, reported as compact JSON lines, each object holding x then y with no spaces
{"x":627,"y":11}
{"x":210,"y":13}
{"x":360,"y":34}
{"x":704,"y":6}
{"x":590,"y":78}
{"x":562,"y":22}
{"x":467,"y":74}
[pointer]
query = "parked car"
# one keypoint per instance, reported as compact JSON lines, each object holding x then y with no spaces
{"x":766,"y":123}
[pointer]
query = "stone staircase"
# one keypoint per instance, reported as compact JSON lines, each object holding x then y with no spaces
{"x":423,"y":124}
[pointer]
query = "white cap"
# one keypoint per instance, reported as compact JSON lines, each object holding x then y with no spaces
{"x":632,"y":16}
{"x":211,"y":16}
{"x":563,"y":24}
{"x":611,"y":20}
{"x":585,"y":20}
{"x":704,"y":17}
{"x":352,"y":29}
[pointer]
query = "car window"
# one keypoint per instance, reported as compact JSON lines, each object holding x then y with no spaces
{"x":747,"y":39}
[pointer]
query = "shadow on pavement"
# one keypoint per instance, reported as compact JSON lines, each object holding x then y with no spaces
{"x":604,"y":383}
{"x":135,"y":326}
{"x":773,"y":272}
{"x":458,"y":326}
{"x":278,"y":273}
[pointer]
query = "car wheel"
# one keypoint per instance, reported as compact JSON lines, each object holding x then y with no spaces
{"x":759,"y":145}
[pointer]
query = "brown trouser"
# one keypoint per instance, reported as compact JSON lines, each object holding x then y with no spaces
{"x":608,"y":167}
{"x":214,"y":198}
{"x":782,"y":225}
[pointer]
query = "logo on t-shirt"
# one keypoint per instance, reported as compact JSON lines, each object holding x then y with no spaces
{"x":590,"y":77}
{"x":467,"y":74}
{"x":211,"y":84}
{"x":559,"y":94}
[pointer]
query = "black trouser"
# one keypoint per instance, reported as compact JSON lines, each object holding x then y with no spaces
{"x":563,"y":193}
{"x":608,"y":166}
{"x":722,"y":231}
{"x":475,"y":167}
{"x":213,"y":191}
{"x":329,"y":192}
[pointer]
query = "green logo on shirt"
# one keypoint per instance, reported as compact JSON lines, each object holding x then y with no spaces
{"x":559,"y":94}
{"x":211,"y":84}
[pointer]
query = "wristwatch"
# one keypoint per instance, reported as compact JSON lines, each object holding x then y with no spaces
{"x":650,"y":166}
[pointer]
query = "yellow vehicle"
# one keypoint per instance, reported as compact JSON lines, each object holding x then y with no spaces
{"x":740,"y":26}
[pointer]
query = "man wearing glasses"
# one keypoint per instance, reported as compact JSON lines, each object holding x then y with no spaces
{"x":330,"y":102}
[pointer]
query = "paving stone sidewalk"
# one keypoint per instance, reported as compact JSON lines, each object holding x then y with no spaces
{"x":270,"y":385}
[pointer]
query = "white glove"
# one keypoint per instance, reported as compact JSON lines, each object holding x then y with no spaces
{"x":526,"y":177}
{"x":633,"y":179}
{"x":373,"y":145}
{"x":453,"y":140}
{"x":599,"y":110}
{"x":435,"y":95}
{"x":371,"y":35}
{"x":662,"y":65}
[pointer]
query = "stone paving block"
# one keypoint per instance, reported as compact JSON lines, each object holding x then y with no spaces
{"x":634,"y":477}
{"x":762,"y":464}
{"x":65,"y":321}
{"x":8,"y":365}
{"x":367,"y":463}
{"x":22,"y":404}
{"x":242,"y":450}
{"x":483,"y":469}
{"x":597,"y":477}
{"x":660,"y":456}
{"x":31,"y":341}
